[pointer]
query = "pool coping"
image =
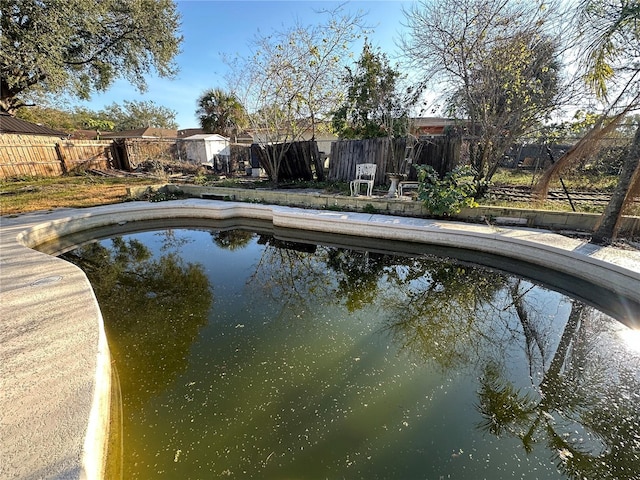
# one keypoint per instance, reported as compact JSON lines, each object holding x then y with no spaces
{"x":55,"y":367}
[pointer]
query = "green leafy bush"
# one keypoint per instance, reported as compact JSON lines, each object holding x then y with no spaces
{"x":368,"y":208}
{"x":446,"y":196}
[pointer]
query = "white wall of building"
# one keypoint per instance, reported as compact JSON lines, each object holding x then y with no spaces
{"x":204,"y":148}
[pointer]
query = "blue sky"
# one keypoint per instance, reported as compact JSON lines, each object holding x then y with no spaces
{"x":212,"y":29}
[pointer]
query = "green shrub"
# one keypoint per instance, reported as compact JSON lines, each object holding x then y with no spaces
{"x":368,"y":208}
{"x":447,"y":196}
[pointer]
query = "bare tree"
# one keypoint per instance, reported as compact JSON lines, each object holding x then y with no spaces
{"x":292,"y":81}
{"x":496,"y":64}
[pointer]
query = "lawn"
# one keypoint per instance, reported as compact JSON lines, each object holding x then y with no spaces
{"x":32,"y":194}
{"x":574,"y":181}
{"x":77,"y":191}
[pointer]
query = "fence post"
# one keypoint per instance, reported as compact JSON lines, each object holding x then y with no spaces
{"x":61,"y":159}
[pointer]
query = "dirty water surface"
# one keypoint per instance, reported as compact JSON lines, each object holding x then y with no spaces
{"x":242,"y":355}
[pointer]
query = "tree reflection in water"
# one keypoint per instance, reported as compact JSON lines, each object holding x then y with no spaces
{"x":154,"y":310}
{"x":586,"y":407}
{"x":550,"y":377}
{"x":231,"y":239}
{"x":436,"y":305}
{"x":581,"y":403}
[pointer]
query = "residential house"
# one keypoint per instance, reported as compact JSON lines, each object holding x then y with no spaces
{"x":15,"y":126}
{"x":431,"y":126}
{"x":144,"y":133}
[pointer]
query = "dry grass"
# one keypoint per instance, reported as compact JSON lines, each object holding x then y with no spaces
{"x":575,"y":181}
{"x":33,"y":194}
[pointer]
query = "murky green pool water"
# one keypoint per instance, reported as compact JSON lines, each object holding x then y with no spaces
{"x":243,"y":356}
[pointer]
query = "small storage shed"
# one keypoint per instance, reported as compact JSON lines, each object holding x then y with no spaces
{"x":208,"y":149}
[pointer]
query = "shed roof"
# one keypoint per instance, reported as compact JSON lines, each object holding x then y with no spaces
{"x":9,"y":124}
{"x":206,"y":136}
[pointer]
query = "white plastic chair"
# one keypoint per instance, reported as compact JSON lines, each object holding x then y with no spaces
{"x":365,"y":175}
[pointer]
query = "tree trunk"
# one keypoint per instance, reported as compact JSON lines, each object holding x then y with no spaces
{"x":608,"y":227}
{"x":9,"y":105}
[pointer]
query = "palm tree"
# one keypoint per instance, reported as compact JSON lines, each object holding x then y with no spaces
{"x":220,"y":112}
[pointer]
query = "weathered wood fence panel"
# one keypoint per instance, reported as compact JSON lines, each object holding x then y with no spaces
{"x":388,"y":156}
{"x":442,"y":153}
{"x":132,"y":152}
{"x":301,"y":160}
{"x":80,"y":155}
{"x":346,"y":155}
{"x":24,"y":155}
{"x":240,"y":157}
{"x":28,"y":155}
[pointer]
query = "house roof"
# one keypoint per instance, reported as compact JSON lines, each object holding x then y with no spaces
{"x":187,"y":132}
{"x":84,"y":134}
{"x":432,"y":125}
{"x":145,"y":132}
{"x":9,"y":124}
{"x":433,"y":121}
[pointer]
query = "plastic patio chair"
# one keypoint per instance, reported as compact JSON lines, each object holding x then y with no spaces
{"x":365,"y":175}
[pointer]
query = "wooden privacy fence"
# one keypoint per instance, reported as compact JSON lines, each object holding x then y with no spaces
{"x":301,"y":160}
{"x":240,"y":157}
{"x":32,"y":156}
{"x":130,"y":153}
{"x":80,"y":155}
{"x":27,"y":155}
{"x":346,"y":154}
{"x":442,"y":153}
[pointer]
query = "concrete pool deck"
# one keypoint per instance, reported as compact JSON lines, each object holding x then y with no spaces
{"x":55,"y":367}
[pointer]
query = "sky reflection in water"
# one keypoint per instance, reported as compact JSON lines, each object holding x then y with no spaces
{"x":244,"y":356}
